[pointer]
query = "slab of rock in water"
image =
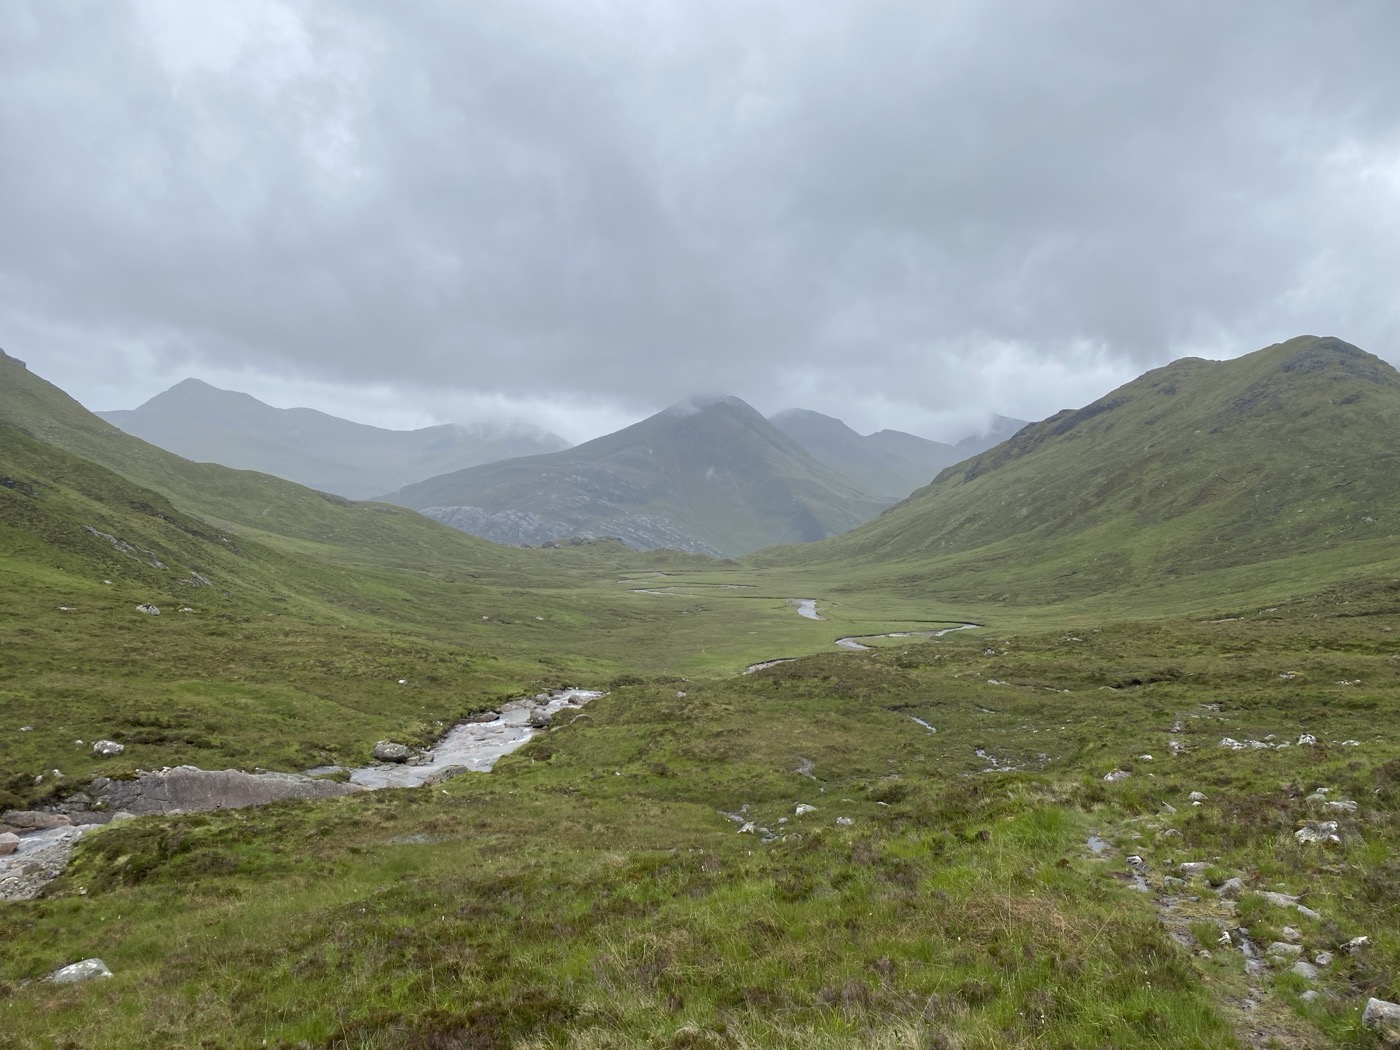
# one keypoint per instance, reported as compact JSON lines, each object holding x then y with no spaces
{"x":38,"y":858}
{"x":190,"y":788}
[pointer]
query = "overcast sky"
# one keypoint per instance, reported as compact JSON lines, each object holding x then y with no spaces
{"x":905,"y":213}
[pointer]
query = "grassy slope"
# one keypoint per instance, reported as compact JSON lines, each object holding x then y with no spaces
{"x":1184,"y":488}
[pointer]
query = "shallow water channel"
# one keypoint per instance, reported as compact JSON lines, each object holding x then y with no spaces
{"x":474,"y":745}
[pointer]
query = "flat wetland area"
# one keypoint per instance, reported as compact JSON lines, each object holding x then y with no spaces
{"x":879,"y":848}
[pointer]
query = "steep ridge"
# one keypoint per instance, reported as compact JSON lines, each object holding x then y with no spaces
{"x":708,"y":475}
{"x":236,"y":502}
{"x":890,"y":463}
{"x":1196,"y":466}
{"x":206,"y":424}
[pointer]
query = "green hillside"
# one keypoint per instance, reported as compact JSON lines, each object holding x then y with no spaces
{"x":713,"y":477}
{"x":203,"y":423}
{"x":889,"y":462}
{"x":1287,"y":457}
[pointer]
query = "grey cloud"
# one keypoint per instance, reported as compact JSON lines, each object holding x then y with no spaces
{"x":939,"y":204}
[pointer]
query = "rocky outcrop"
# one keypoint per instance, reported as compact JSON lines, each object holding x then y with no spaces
{"x":190,"y":788}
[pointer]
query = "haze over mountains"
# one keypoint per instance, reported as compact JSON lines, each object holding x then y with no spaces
{"x":709,"y":475}
{"x":206,"y":424}
{"x":758,"y":486}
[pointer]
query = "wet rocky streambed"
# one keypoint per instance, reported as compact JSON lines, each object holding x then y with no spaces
{"x":35,"y":844}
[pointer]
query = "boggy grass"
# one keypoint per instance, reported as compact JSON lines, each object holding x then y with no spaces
{"x":590,"y":893}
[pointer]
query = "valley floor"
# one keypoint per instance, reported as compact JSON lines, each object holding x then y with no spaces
{"x":984,"y":839}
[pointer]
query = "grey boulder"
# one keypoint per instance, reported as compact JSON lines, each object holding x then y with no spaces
{"x":1383,"y":1018}
{"x":388,"y":751}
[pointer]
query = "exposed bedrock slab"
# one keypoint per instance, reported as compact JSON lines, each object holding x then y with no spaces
{"x":190,"y":788}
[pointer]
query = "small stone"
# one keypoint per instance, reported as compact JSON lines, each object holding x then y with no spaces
{"x":1231,"y":889}
{"x":1192,"y":868}
{"x":388,"y":751}
{"x":748,"y":828}
{"x":107,"y":748}
{"x":9,"y":842}
{"x":1307,"y":971}
{"x":1144,"y":758}
{"x":1135,"y":861}
{"x":844,"y":822}
{"x":1115,"y":775}
{"x":148,"y":609}
{"x":1355,"y":945}
{"x":1197,"y":796}
{"x":802,"y":808}
{"x":1344,"y":805}
{"x":80,"y":971}
{"x":1229,"y":743}
{"x":1282,"y":950}
{"x":540,"y":718}
{"x":1323,"y":959}
{"x":1382,"y":1017}
{"x":26,"y":729}
{"x":1307,"y":740}
{"x":1291,"y":935}
{"x":1312,"y":995}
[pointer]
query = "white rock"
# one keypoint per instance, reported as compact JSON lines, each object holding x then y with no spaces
{"x":1323,"y":958}
{"x":1291,"y":935}
{"x":1192,"y":868}
{"x":802,"y":808}
{"x":748,"y":828}
{"x":1113,"y":776}
{"x":1197,"y":796}
{"x":1229,"y":743}
{"x":1344,"y":805}
{"x":844,"y":822}
{"x":1307,"y":740}
{"x":149,"y":610}
{"x":80,"y":971}
{"x":1283,"y":950}
{"x":1325,"y":832}
{"x":1312,"y":995}
{"x":1307,"y":971}
{"x":1356,"y":944}
{"x":107,"y":748}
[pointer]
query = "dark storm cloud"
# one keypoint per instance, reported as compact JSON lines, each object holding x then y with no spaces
{"x":933,"y":205}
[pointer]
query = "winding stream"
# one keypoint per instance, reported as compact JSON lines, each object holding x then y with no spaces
{"x":854,"y":642}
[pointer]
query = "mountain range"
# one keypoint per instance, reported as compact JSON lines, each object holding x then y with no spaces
{"x":768,"y":491}
{"x":708,"y":475}
{"x":206,"y":424}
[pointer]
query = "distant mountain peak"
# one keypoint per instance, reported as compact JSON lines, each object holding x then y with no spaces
{"x":700,"y":402}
